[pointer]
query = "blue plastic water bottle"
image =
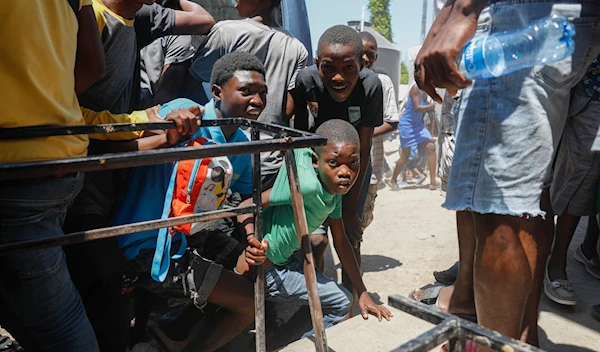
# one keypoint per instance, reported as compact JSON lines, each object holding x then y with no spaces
{"x":544,"y":41}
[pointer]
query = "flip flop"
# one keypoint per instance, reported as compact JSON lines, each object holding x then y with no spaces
{"x":430,"y":297}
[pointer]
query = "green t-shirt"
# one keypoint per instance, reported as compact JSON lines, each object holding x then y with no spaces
{"x":278,"y":219}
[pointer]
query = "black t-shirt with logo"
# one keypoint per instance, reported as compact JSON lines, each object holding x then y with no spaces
{"x":364,"y":107}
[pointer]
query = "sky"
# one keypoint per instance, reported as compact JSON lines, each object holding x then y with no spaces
{"x":406,"y":19}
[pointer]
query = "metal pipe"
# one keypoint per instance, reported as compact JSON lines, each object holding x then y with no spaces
{"x":259,"y":283}
{"x":91,"y":235}
{"x":310,"y":275}
{"x":466,"y":329}
{"x":47,"y":131}
{"x":410,"y":306}
{"x":431,"y":338}
{"x":62,"y":167}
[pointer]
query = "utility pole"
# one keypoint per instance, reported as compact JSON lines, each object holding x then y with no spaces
{"x":362,"y":20}
{"x":424,"y":21}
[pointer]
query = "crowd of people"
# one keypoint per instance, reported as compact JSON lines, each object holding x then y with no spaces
{"x":114,"y":61}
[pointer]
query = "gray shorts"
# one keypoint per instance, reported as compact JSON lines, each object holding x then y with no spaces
{"x":190,"y":277}
{"x":577,"y":168}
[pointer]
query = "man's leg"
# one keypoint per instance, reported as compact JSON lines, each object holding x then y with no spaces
{"x":235,"y":295}
{"x":590,"y":242}
{"x":431,"y":160}
{"x":505,"y":265}
{"x":529,"y":329}
{"x":288,"y":284}
{"x":565,"y":229}
{"x":404,"y":156}
{"x":43,"y":296}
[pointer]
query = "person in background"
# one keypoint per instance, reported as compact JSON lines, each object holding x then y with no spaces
{"x":502,"y":159}
{"x":337,"y":87}
{"x":261,"y":34}
{"x":165,"y":62}
{"x":164,"y":66}
{"x":413,"y":132}
{"x":573,"y":189}
{"x":390,"y":122}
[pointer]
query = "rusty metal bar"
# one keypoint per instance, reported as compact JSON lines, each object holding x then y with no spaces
{"x":91,"y":235}
{"x":432,"y":338}
{"x":47,"y":131}
{"x":314,"y":301}
{"x":67,"y":166}
{"x":465,"y":329}
{"x":259,"y":283}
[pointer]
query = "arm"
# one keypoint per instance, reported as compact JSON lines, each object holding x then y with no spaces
{"x":170,"y":83}
{"x":90,"y":65}
{"x":387,"y":127}
{"x":255,"y":253}
{"x":193,"y":19}
{"x":186,"y":120}
{"x":351,"y":219}
{"x":346,"y":254}
{"x":416,"y":97}
{"x":435,"y":65}
{"x":106,"y":117}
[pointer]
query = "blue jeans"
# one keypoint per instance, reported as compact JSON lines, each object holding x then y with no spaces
{"x":36,"y":286}
{"x":287,"y":284}
{"x":509,"y":126}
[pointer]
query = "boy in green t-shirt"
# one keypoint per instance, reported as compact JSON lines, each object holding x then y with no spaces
{"x":325,"y":175}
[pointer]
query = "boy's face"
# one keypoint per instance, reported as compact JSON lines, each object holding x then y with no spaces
{"x":244,"y":95}
{"x":339,"y":66}
{"x":339,"y":164}
{"x":369,"y":54}
{"x":250,"y":8}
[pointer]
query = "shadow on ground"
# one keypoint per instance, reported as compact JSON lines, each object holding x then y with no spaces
{"x":375,"y":263}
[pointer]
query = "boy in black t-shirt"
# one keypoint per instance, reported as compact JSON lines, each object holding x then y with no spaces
{"x":337,"y":87}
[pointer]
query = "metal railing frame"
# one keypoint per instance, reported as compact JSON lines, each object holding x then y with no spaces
{"x":285,"y":139}
{"x":453,"y":329}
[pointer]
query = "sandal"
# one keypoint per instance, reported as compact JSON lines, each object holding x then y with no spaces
{"x":560,"y":291}
{"x":393,"y":185}
{"x":430,"y":297}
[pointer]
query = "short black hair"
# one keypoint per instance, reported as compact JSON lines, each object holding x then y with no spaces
{"x":227,"y":66}
{"x":367,"y":37}
{"x":342,"y":35}
{"x":337,"y":131}
{"x":275,"y":3}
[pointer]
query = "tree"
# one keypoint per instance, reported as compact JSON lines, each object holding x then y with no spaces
{"x":381,"y":19}
{"x":403,"y":73}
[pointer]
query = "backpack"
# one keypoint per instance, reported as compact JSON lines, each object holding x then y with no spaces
{"x":196,"y":186}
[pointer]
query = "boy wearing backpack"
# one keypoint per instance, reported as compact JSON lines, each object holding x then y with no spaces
{"x":325,"y":175}
{"x":239,"y":90}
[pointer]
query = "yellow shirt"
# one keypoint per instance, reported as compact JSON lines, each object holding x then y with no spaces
{"x":37,"y":83}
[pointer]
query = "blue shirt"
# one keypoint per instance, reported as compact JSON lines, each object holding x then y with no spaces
{"x":144,"y":194}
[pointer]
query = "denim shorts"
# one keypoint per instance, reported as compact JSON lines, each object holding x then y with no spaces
{"x":509,"y":126}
